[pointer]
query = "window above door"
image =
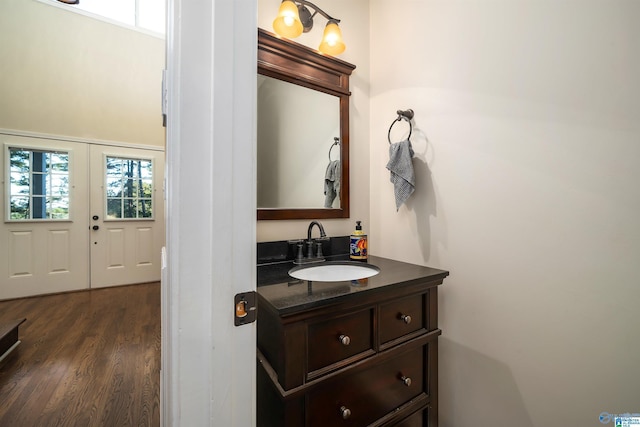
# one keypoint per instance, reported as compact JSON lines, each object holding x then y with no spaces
{"x":145,"y":15}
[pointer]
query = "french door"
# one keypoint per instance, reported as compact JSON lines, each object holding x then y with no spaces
{"x":127,"y":215}
{"x":43,"y":251}
{"x":52,"y":190}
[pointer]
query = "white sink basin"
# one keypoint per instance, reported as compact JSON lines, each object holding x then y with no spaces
{"x":334,"y":271}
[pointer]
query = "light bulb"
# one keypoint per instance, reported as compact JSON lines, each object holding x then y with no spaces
{"x":287,"y":23}
{"x":332,"y":43}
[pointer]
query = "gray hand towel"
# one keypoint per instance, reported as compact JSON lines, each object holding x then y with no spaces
{"x":401,"y":167}
{"x":331,"y":183}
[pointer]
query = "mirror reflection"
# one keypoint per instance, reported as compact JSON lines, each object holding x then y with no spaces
{"x":298,"y":159}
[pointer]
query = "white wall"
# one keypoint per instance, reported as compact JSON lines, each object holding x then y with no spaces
{"x":354,"y":16}
{"x":527,"y":145}
{"x":69,"y":75}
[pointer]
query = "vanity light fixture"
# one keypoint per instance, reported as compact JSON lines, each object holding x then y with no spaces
{"x":294,"y":18}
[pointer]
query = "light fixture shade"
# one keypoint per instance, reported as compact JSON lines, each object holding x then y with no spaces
{"x":332,"y":43}
{"x":287,"y":23}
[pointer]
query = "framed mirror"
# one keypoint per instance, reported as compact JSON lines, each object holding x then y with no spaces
{"x":303,"y":131}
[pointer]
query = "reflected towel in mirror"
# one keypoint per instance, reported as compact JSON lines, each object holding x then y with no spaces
{"x":401,"y":168}
{"x":331,"y":183}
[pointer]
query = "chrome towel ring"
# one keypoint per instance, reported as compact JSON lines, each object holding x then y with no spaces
{"x":336,"y":141}
{"x":402,"y":115}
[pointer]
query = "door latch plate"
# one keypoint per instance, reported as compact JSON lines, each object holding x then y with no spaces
{"x":244,"y":308}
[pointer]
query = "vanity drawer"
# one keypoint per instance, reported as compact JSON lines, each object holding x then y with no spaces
{"x":419,"y":419}
{"x":402,"y":317}
{"x":338,"y":341}
{"x":363,"y":397}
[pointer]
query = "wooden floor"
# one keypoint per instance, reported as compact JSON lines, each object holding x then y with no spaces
{"x":87,"y":358}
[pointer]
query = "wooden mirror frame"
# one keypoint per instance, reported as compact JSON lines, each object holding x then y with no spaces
{"x":294,"y":63}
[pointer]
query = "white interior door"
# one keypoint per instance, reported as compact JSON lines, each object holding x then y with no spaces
{"x":43,"y":236}
{"x":126,"y":215}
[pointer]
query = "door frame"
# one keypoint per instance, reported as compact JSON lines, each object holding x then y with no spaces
{"x":208,"y":366}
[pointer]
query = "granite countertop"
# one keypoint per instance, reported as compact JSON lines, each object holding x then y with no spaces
{"x":288,"y":295}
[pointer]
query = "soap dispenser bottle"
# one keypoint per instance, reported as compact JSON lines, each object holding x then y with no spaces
{"x":358,"y":246}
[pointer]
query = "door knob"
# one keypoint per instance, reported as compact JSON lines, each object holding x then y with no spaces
{"x":96,"y":227}
{"x":345,"y":412}
{"x":95,"y":217}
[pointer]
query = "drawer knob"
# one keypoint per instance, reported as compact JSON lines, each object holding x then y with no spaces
{"x":345,"y":412}
{"x":405,"y":380}
{"x":344,"y":340}
{"x":405,"y":318}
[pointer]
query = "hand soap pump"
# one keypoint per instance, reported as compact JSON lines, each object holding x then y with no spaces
{"x":358,"y":246}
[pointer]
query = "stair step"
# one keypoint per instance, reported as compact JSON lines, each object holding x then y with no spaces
{"x":9,"y":337}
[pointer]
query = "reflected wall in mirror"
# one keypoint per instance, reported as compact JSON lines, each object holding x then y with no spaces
{"x":298,"y":164}
{"x":303,"y":106}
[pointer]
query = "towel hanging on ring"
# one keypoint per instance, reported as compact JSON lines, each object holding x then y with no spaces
{"x":400,"y":164}
{"x":332,"y":178}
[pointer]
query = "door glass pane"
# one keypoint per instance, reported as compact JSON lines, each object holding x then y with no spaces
{"x":38,"y":185}
{"x":19,"y":208}
{"x":60,"y":162}
{"x":129,"y":208}
{"x":144,"y":208}
{"x":114,"y":187}
{"x":19,"y":183}
{"x":59,"y":207}
{"x":114,"y":208}
{"x":145,"y":190}
{"x":19,"y":160}
{"x":114,"y":167}
{"x":59,"y":185}
{"x":145,"y":169}
{"x":129,"y":188}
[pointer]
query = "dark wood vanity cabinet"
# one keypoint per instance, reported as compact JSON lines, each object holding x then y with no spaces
{"x":364,"y":356}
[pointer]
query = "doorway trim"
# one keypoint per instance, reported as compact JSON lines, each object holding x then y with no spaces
{"x":208,"y":367}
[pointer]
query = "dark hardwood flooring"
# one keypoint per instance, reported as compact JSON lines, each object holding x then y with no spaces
{"x":89,"y":358}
